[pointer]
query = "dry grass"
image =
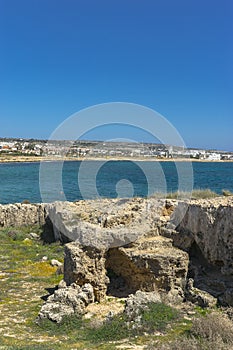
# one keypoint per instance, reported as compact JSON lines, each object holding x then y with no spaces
{"x":227,"y":193}
{"x":214,"y":327}
{"x":195,"y":194}
{"x":193,"y":344}
{"x":211,"y":332}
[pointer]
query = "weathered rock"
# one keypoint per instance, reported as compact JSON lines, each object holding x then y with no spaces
{"x":210,"y":224}
{"x":34,"y":235}
{"x":86,"y":265}
{"x":17,"y":215}
{"x":55,"y":262}
{"x":62,"y":284}
{"x":138,"y":301}
{"x":66,"y":301}
{"x":59,"y":265}
{"x":206,"y":232}
{"x":180,"y":239}
{"x":137,"y":241}
{"x":226,"y":298}
{"x":106,"y":223}
{"x":152,"y":265}
{"x":199,"y":297}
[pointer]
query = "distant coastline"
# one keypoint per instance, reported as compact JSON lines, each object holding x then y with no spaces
{"x":33,"y":159}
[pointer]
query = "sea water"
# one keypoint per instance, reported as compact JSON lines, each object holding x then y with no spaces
{"x":21,"y":181}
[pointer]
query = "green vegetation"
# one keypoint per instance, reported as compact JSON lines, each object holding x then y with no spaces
{"x":214,"y":331}
{"x":26,"y":276}
{"x":157,"y":316}
{"x":195,"y":194}
{"x":154,"y":318}
{"x":227,"y":193}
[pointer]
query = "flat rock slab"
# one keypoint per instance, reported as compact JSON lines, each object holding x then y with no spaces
{"x":105,"y":223}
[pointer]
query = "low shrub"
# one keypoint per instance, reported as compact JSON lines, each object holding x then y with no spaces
{"x":213,"y":327}
{"x":195,"y":194}
{"x":190,"y":344}
{"x":214,"y":331}
{"x":203,"y":194}
{"x":227,"y":193}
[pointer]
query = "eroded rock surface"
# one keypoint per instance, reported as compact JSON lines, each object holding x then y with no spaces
{"x":125,"y":245}
{"x":206,"y":232}
{"x":210,"y":224}
{"x":106,"y":223}
{"x":138,"y":301}
{"x":86,"y":265}
{"x":67,"y":301}
{"x":151,"y":264}
{"x":22,"y":214}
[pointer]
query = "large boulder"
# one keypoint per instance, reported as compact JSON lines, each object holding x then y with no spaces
{"x":105,"y":223}
{"x":86,"y":265}
{"x":210,"y":224}
{"x":149,"y":264}
{"x":206,"y":232}
{"x":152,"y":264}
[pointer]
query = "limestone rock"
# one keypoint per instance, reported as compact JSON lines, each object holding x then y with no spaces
{"x":85,"y":265}
{"x":226,"y":298}
{"x":199,"y":297}
{"x":55,"y":262}
{"x":210,"y":225}
{"x":138,"y":301}
{"x":67,"y":301}
{"x":105,"y":223}
{"x":18,"y":214}
{"x":34,"y":236}
{"x":152,"y":265}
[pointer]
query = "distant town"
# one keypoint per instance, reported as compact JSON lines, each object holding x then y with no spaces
{"x":101,"y":149}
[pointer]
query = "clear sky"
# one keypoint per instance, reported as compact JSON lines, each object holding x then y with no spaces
{"x":175,"y":56}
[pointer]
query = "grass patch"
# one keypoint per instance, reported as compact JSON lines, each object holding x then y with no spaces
{"x":40,"y":269}
{"x":203,"y":194}
{"x":113,"y":330}
{"x":157,"y":316}
{"x":195,"y":194}
{"x":68,"y":325}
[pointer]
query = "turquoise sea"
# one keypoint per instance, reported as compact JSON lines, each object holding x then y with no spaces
{"x":20,"y":181}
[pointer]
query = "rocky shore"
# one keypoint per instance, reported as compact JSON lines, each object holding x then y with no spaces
{"x":178,"y":251}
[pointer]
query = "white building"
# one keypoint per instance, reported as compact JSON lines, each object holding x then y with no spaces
{"x":214,"y":156}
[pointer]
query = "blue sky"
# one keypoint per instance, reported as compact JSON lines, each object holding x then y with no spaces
{"x":60,"y":56}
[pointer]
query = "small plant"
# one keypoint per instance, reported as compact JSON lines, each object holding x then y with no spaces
{"x":116,"y":329}
{"x":227,"y":193}
{"x":156,"y":316}
{"x":195,"y":194}
{"x":204,"y":194}
{"x":68,"y":324}
{"x":26,"y":201}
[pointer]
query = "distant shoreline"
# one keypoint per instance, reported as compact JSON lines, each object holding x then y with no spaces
{"x":32,"y":159}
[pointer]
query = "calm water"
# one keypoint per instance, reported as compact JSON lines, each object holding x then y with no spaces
{"x":20,"y":181}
